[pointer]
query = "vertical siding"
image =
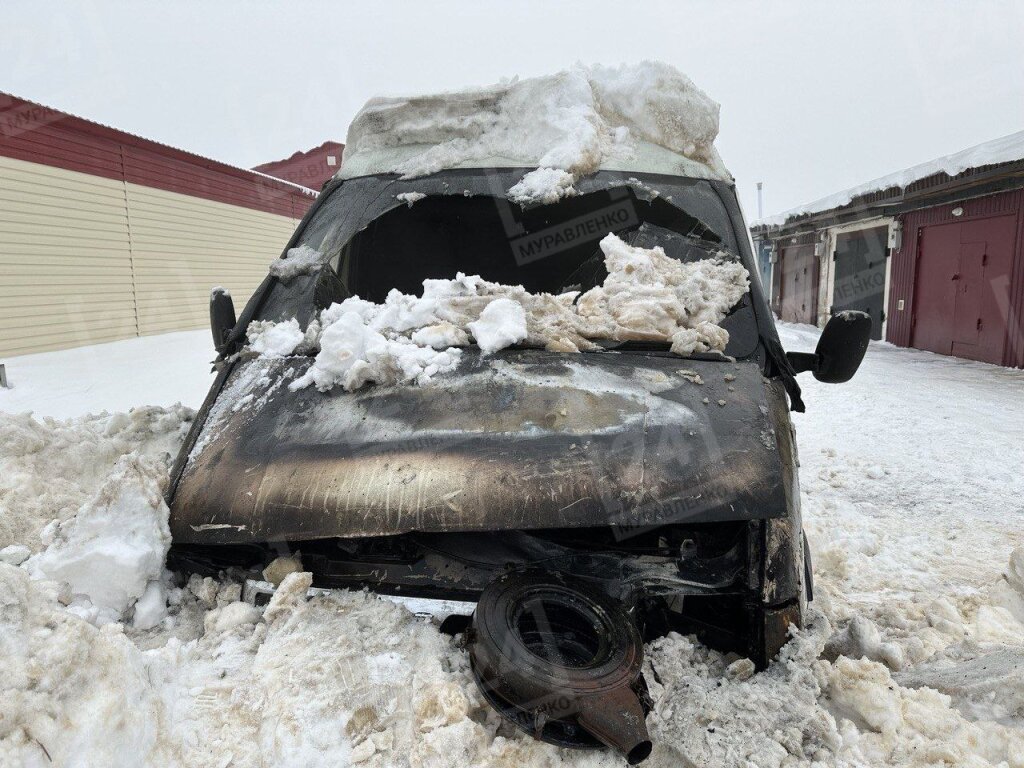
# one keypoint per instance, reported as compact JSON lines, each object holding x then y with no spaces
{"x":86,"y":259}
{"x":64,"y":258}
{"x":904,"y":265}
{"x":182,"y":246}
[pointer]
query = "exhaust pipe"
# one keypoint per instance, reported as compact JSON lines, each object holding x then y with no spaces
{"x":561,"y":660}
{"x":616,"y":719}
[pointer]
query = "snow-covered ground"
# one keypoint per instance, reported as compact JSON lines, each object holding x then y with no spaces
{"x":913,"y":500}
{"x":151,"y":370}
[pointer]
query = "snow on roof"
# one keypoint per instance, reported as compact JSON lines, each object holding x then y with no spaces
{"x":1002,"y":150}
{"x":646,"y":117}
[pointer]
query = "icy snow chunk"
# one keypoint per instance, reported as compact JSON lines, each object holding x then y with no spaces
{"x":229,"y":617}
{"x":577,"y":121}
{"x":280,"y":567}
{"x":352,"y":354}
{"x":410,"y":198}
{"x":274,"y":339}
{"x":116,"y":544}
{"x":704,"y":338}
{"x":648,"y":295}
{"x":501,"y":324}
{"x":1008,"y":593}
{"x":544,"y":185}
{"x":15,"y":554}
{"x":302,"y":260}
{"x":865,"y":692}
{"x":440,"y":336}
{"x":50,"y":468}
{"x":151,"y":608}
{"x":861,"y":639}
{"x":288,"y":597}
{"x":657,"y":102}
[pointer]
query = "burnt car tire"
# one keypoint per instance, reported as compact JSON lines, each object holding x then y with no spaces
{"x":547,"y":650}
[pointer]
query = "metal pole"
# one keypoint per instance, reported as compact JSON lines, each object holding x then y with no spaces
{"x":760,"y":206}
{"x":3,"y":376}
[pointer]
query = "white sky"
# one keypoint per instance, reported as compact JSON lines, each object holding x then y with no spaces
{"x":816,"y":97}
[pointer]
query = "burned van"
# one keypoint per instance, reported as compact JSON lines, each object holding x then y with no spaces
{"x":576,"y":500}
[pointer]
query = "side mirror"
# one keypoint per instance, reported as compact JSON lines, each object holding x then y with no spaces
{"x":222,"y":317}
{"x":840,"y":349}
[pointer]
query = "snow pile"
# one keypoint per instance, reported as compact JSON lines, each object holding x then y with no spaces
{"x":274,"y":339}
{"x":71,"y":694}
{"x":574,"y":121}
{"x":408,"y":339}
{"x":297,"y":261}
{"x":913,"y":654}
{"x":1002,"y":150}
{"x":648,"y":295}
{"x":111,"y":553}
{"x":49,"y":469}
{"x":544,"y":186}
{"x":353,"y":353}
{"x":502,"y":324}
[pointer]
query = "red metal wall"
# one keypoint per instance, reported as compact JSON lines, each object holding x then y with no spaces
{"x":310,"y":169}
{"x":38,"y":134}
{"x":980,"y":213}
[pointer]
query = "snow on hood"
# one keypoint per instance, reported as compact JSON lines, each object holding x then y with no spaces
{"x":407,"y":339}
{"x":646,"y":117}
{"x":1003,"y":150}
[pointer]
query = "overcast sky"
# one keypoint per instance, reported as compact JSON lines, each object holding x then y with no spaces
{"x":815,"y":97}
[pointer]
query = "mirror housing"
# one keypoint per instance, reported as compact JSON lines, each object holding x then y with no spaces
{"x":840,"y":349}
{"x":222,"y":317}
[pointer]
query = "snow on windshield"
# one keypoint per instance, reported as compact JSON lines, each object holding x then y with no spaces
{"x":297,"y":261}
{"x":646,"y":296}
{"x":645,"y":117}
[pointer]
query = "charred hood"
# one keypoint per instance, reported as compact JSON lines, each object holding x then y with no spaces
{"x":524,"y":439}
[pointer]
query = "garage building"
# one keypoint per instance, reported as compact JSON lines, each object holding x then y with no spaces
{"x":105,"y":235}
{"x":935,"y":254}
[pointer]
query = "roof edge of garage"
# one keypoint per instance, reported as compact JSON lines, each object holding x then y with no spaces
{"x":917,"y":187}
{"x":39,"y":134}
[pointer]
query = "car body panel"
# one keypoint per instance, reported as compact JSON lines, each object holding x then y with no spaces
{"x":523,"y":439}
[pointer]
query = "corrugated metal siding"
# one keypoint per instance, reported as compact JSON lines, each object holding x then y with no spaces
{"x":87,"y":259}
{"x":65,"y":259}
{"x":904,"y":264}
{"x":182,"y":246}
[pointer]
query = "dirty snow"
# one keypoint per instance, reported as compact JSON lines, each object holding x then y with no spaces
{"x":641,"y":117}
{"x":646,"y":296}
{"x":914,"y":654}
{"x":1002,"y":150}
{"x":302,"y":260}
{"x":112,"y":549}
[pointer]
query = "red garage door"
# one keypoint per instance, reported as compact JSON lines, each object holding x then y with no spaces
{"x":962,"y":288}
{"x":798,"y":284}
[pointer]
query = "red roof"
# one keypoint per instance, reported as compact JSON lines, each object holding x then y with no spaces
{"x":40,"y":134}
{"x":311,"y":169}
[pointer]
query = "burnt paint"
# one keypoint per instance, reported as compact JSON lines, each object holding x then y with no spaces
{"x":519,"y":440}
